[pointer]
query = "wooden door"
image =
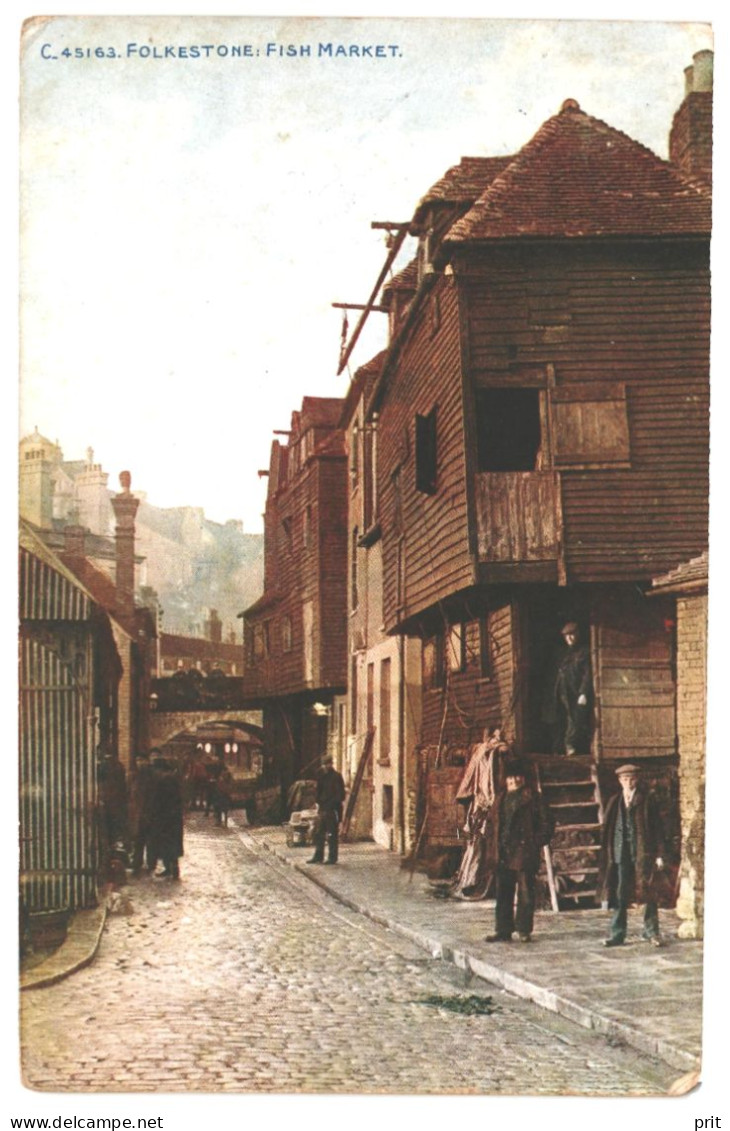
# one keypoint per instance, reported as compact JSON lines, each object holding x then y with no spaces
{"x":633,"y":664}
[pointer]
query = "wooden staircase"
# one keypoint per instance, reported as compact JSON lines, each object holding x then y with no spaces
{"x":570,"y":862}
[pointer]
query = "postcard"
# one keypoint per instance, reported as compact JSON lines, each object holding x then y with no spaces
{"x":364,"y":486}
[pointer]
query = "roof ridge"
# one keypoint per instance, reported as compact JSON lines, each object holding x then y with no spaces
{"x":513,"y":204}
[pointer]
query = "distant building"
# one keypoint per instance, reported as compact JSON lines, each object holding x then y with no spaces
{"x":192,"y":563}
{"x":296,"y":633}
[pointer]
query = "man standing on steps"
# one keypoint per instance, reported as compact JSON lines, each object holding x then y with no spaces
{"x":573,"y":690}
{"x":632,"y":856}
{"x":519,"y":826}
{"x":330,"y":797}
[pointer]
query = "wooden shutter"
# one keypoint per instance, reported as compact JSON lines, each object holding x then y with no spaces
{"x":590,"y":425}
{"x":633,"y":670}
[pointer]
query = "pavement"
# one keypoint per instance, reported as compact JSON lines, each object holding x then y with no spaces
{"x":638,"y":996}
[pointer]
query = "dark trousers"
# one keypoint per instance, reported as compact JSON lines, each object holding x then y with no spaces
{"x":507,"y":919}
{"x":625,"y":890}
{"x":328,"y":827}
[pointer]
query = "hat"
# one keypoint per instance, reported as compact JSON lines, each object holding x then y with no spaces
{"x":571,"y":627}
{"x":328,"y":761}
{"x":629,"y":768}
{"x":515,"y":768}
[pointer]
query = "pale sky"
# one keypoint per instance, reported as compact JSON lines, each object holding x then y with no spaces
{"x":187,"y":223}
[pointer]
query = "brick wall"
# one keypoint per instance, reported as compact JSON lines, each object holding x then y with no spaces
{"x":691,"y":711}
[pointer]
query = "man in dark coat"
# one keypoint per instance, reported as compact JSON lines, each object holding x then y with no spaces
{"x":330,"y":797}
{"x":632,"y":856}
{"x":140,"y":814}
{"x":573,"y":689}
{"x":166,"y":805}
{"x":520,"y":824}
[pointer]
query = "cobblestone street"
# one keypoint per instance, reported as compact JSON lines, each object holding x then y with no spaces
{"x":246,"y":978}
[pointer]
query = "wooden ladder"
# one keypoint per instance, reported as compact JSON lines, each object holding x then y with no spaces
{"x":570,"y":789}
{"x":359,"y":775}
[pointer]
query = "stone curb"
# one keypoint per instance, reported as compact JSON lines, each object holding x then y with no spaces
{"x":581,"y":1015}
{"x":78,"y":950}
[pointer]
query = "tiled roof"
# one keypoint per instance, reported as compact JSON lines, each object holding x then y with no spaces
{"x":405,"y":280}
{"x":104,"y":592}
{"x":580,"y":177}
{"x":198,"y":647}
{"x":464,"y":182}
{"x":320,"y":412}
{"x":689,"y":575}
{"x":361,"y":384}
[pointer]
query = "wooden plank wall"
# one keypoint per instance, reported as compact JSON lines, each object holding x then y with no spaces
{"x":428,"y":374}
{"x":636,"y":314}
{"x":468,"y":702}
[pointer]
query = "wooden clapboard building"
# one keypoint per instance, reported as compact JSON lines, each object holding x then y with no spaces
{"x":542,"y":443}
{"x":295,"y":637}
{"x":69,"y":676}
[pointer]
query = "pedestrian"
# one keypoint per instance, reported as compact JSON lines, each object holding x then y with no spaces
{"x":520,"y":825}
{"x":573,"y":691}
{"x":330,"y":797}
{"x":166,"y":806}
{"x":140,"y":814}
{"x":632,"y":862}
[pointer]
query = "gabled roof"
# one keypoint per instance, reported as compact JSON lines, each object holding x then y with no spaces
{"x":66,"y":598}
{"x":462,"y":183}
{"x":320,"y":412}
{"x":104,"y":592}
{"x":580,"y":177}
{"x":405,"y":280}
{"x":361,"y":385}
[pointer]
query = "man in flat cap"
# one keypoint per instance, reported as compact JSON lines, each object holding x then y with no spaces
{"x":632,"y":856}
{"x":518,"y":827}
{"x":573,"y":690}
{"x":330,"y":797}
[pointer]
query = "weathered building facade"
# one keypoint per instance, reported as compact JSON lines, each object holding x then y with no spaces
{"x":542,"y":438}
{"x":295,"y":638}
{"x":383,"y":706}
{"x":69,"y":677}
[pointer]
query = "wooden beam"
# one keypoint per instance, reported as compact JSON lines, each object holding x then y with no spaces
{"x":359,"y":306}
{"x":397,"y":243}
{"x":395,"y":226}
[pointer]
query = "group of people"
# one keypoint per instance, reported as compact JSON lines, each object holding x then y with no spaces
{"x":508,"y":824}
{"x":156,"y":816}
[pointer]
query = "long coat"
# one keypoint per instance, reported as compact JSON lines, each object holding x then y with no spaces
{"x":166,"y":805}
{"x":651,"y":885}
{"x":529,"y":828}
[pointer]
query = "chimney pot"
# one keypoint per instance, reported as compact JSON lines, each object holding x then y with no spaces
{"x":703,"y":70}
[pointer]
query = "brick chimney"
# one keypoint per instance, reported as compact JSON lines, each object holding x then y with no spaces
{"x":690,"y":139}
{"x":74,"y":541}
{"x":125,"y":508}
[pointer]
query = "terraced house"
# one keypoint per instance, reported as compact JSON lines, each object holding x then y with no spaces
{"x":541,"y":415}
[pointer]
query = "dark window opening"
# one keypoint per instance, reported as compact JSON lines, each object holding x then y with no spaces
{"x":508,"y":429}
{"x":387,"y":802}
{"x":426,"y":453}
